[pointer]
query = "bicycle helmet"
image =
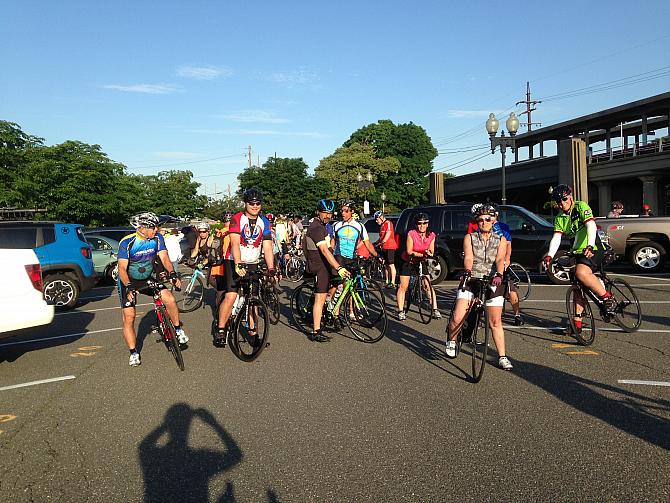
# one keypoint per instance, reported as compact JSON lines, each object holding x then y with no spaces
{"x":252,"y":196}
{"x":422,"y":217}
{"x":146,"y":219}
{"x":476,"y":209}
{"x":202,"y":226}
{"x":378,"y":214}
{"x":349,"y":204}
{"x":561,"y":191}
{"x":270,"y":217}
{"x":326,"y":205}
{"x":227,"y":217}
{"x":645,"y":207}
{"x":490,"y":209}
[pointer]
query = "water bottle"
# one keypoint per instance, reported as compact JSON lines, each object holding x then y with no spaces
{"x":238,"y":304}
{"x":338,"y":292}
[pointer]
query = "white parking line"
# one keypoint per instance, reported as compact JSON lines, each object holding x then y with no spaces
{"x":647,"y":383}
{"x":31,"y":341}
{"x":34,"y":383}
{"x":100,"y":309}
{"x":563,"y":301}
{"x":604,"y":329}
{"x":638,"y":277}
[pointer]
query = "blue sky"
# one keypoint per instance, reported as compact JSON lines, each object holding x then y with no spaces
{"x":189,"y":85}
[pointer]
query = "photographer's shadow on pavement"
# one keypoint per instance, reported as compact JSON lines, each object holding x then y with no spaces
{"x":635,"y":414}
{"x":174,"y":471}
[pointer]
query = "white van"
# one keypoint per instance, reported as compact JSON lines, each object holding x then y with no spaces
{"x":21,"y":298}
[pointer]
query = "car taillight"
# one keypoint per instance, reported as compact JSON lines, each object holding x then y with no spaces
{"x":86,"y":252}
{"x":35,"y":274}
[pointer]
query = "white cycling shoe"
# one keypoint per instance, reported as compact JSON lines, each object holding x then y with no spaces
{"x":181,"y":335}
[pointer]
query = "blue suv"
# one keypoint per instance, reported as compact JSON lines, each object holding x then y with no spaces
{"x":64,"y":254}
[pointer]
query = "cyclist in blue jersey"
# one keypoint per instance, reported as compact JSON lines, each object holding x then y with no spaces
{"x":137,"y":255}
{"x":348,"y":233}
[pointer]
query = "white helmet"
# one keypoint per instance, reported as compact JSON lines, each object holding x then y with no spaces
{"x":203,"y":226}
{"x":146,"y":219}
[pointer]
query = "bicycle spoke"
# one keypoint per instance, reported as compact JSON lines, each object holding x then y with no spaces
{"x":628,"y":314}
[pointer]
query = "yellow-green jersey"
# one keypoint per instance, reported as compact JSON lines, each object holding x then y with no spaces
{"x":573,"y":223}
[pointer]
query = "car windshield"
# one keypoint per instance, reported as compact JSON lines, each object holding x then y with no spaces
{"x":534,"y":217}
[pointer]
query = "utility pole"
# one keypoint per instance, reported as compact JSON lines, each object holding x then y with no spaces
{"x":530,"y":107}
{"x":249,"y":157}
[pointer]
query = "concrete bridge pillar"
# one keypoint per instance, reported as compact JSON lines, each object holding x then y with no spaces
{"x":604,"y":197}
{"x":650,"y":193}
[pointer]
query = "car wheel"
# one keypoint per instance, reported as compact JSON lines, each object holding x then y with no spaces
{"x":61,"y":291}
{"x":647,"y":257}
{"x":113,"y":273}
{"x":437,"y":269}
{"x":557,"y":275}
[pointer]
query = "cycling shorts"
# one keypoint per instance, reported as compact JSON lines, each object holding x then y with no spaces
{"x":494,"y":298}
{"x":138,"y":284}
{"x":231,"y":281}
{"x":389,"y":256}
{"x":593,"y":262}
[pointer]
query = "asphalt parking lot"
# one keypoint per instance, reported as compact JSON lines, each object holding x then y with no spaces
{"x":338,"y":421}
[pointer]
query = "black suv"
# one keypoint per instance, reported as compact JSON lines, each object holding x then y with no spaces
{"x":530,"y":234}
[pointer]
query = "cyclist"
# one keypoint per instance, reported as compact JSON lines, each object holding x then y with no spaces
{"x":321,"y":262}
{"x":137,"y":253}
{"x":420,"y":244}
{"x":249,"y":236}
{"x":388,"y":245}
{"x":203,"y":243}
{"x":576,"y":219}
{"x":348,"y":232}
{"x":646,"y":210}
{"x":484,"y":255}
{"x":217,"y":272}
{"x":501,"y":229}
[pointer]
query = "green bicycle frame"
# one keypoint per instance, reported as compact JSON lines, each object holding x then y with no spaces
{"x":348,"y":287}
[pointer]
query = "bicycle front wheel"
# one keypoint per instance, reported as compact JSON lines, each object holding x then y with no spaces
{"x":627,"y":314}
{"x":365,"y":314}
{"x":295,"y":269}
{"x":585,"y":334}
{"x":192,"y":292}
{"x":302,"y":300}
{"x":251,"y":330}
{"x":518,"y":275}
{"x":170,"y":338}
{"x":424,"y":299}
{"x":271,"y":300}
{"x":480,"y":342}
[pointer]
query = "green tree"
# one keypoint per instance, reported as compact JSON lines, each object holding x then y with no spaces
{"x":217,"y":208}
{"x":174,"y":193}
{"x":286,"y":186}
{"x":15,"y":148}
{"x":412,"y":147}
{"x":342,"y":168}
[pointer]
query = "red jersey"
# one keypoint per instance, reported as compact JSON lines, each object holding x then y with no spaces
{"x":387,"y":228}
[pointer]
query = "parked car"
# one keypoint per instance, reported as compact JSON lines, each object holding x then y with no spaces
{"x":23,"y":304}
{"x":64,"y":255}
{"x":104,"y":255}
{"x":530,"y":233}
{"x":372,"y":226}
{"x":643,"y":241}
{"x":115,"y":233}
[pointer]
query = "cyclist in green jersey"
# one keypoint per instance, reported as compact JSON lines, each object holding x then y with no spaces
{"x":576,"y":219}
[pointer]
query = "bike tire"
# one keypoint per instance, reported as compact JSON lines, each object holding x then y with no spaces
{"x":245,"y":345}
{"x":587,"y":334}
{"x":271,"y":300}
{"x":425,"y":302}
{"x":302,"y":300}
{"x":365,"y":314}
{"x":189,"y":298}
{"x":170,"y":338}
{"x":295,"y":269}
{"x":480,"y":343}
{"x":519,"y":275}
{"x":628,"y":313}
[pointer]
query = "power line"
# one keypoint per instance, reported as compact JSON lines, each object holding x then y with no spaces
{"x":187,"y":162}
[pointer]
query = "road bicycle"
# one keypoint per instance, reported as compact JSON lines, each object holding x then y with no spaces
{"x":192,"y":292}
{"x":627,"y":313}
{"x":166,"y":328}
{"x":248,"y":328}
{"x":269,"y":296}
{"x":518,"y":275}
{"x":359,"y":307}
{"x":474,"y":329}
{"x":294,"y":265}
{"x":420,"y":292}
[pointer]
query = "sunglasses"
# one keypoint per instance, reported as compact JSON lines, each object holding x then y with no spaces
{"x":203,"y":231}
{"x":566,"y":198}
{"x":422,"y":223}
{"x":485,"y":219}
{"x":254,"y":203}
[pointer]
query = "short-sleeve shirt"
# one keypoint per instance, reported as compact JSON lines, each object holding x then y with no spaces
{"x":420,"y":245}
{"x":573,"y":223}
{"x":315,"y":235}
{"x":140,"y":254}
{"x":252,"y":234}
{"x":387,"y":228}
{"x":347,"y":235}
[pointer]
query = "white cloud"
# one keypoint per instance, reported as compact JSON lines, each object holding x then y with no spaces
{"x":258,"y":132}
{"x":293,"y":78}
{"x":204,"y":72}
{"x":143,"y":88}
{"x":177,"y":155}
{"x":263,"y":116}
{"x":468,"y":114}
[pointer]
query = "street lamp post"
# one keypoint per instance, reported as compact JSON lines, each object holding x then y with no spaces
{"x":383,"y":196}
{"x":503,"y":141}
{"x":365,"y":184}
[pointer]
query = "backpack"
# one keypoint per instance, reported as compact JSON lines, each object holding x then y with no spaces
{"x":215,"y":252}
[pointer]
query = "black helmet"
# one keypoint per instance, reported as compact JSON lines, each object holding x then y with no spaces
{"x":326,"y":205}
{"x":560,"y":191}
{"x":422,"y":217}
{"x":252,"y":195}
{"x":349,"y":204}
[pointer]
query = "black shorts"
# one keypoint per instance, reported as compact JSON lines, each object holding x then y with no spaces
{"x":231,"y":280}
{"x":389,"y":256}
{"x":593,"y":262}
{"x":344,"y":261}
{"x":322,"y":279}
{"x":138,"y":284}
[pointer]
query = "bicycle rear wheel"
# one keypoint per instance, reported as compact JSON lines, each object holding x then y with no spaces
{"x":170,"y":337}
{"x":295,"y":269}
{"x":480,"y":342}
{"x":585,"y":334}
{"x":271,"y":300}
{"x":192,"y":292}
{"x":250,"y":334}
{"x":521,"y":279}
{"x":628,"y":314}
{"x":302,"y":300}
{"x":424,"y":292}
{"x":365,"y":314}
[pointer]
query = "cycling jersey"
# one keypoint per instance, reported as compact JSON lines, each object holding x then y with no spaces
{"x":347,"y":235}
{"x":141,"y":254}
{"x":387,"y":228}
{"x":252,"y":231}
{"x":573,"y":223}
{"x":499,"y":229}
